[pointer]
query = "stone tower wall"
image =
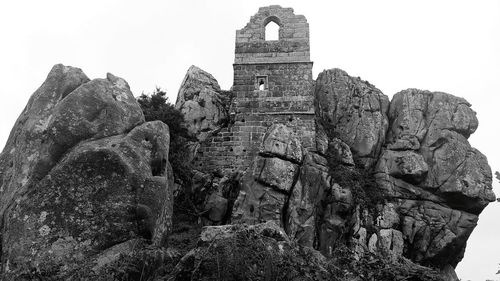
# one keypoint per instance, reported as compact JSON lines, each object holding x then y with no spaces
{"x":284,"y":67}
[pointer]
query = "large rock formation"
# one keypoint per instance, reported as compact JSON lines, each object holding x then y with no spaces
{"x":81,"y":173}
{"x":86,"y":186}
{"x":437,"y":182}
{"x":393,"y":178}
{"x":428,"y":136}
{"x":352,"y":110}
{"x":265,"y":187}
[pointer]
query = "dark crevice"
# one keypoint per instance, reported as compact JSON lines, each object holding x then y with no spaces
{"x":284,"y":211}
{"x":158,"y":167}
{"x":280,"y":156}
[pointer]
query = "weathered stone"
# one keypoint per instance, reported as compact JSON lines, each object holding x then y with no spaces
{"x":310,"y":189}
{"x":334,"y":218}
{"x":448,"y":274}
{"x":406,"y":165}
{"x":321,"y":139}
{"x":390,"y":243}
{"x":27,"y":155}
{"x":421,"y":114}
{"x":281,"y":141}
{"x":438,"y":125}
{"x":204,"y":105}
{"x":243,"y":252}
{"x":398,"y":188}
{"x":97,"y":109}
{"x":270,"y":228}
{"x":372,"y":243}
{"x":271,"y":85}
{"x":265,"y":187}
{"x":359,"y":240}
{"x":109,"y":187}
{"x":277,"y":173}
{"x":352,"y":110}
{"x":257,"y":203}
{"x":86,"y":185}
{"x":389,"y":216}
{"x":434,"y":234}
{"x":340,"y":152}
{"x":216,"y":206}
{"x":103,"y":192}
{"x":318,"y":210}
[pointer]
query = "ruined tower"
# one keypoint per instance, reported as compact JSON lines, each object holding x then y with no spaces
{"x":272,"y":79}
{"x":272,"y":84}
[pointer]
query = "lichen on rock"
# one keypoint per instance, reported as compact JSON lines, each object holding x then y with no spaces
{"x":100,"y":176}
{"x":291,"y":178}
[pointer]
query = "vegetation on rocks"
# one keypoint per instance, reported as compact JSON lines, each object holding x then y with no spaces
{"x":156,"y":106}
{"x":358,"y":179}
{"x":344,"y":266}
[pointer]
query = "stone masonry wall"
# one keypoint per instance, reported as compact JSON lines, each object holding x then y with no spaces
{"x":272,"y":84}
{"x":293,"y":43}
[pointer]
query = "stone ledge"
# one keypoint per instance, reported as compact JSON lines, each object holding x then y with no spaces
{"x":280,"y":62}
{"x":285,"y":113}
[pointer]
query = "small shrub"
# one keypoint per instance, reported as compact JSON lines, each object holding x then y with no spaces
{"x":375,"y":267}
{"x":361,"y":181}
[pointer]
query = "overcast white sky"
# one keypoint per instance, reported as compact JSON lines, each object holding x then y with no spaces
{"x":450,"y":46}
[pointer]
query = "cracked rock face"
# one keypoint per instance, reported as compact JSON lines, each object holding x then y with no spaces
{"x":85,"y":181}
{"x":86,"y":174}
{"x":266,"y":186}
{"x":438,"y":183}
{"x":428,"y":185}
{"x":352,"y":110}
{"x":202,"y":102}
{"x":435,"y":127}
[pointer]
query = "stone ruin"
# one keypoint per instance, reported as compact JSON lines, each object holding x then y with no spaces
{"x":87,"y":192}
{"x":302,"y":145}
{"x":272,"y":85}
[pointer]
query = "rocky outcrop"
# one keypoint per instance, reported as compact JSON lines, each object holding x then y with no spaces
{"x":81,"y":173}
{"x":312,"y":185}
{"x":86,"y":187}
{"x":255,"y":252}
{"x":352,"y":110}
{"x":203,"y":103}
{"x":431,"y":130}
{"x":266,"y":186}
{"x":318,"y":213}
{"x":436,"y":181}
{"x":415,"y":194}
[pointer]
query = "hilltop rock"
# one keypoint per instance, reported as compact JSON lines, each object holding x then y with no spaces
{"x":203,"y":103}
{"x":439,"y":125}
{"x":87,"y":187}
{"x":296,"y":178}
{"x":352,"y":110}
{"x":27,"y":156}
{"x":93,"y":175}
{"x":435,"y":181}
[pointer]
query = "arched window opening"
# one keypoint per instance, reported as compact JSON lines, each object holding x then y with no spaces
{"x":272,"y":31}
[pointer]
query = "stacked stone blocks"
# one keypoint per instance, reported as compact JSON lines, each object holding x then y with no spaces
{"x":272,"y":84}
